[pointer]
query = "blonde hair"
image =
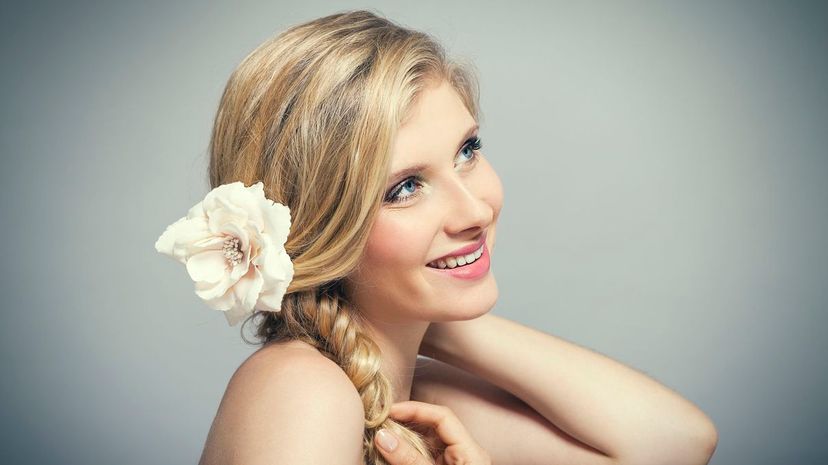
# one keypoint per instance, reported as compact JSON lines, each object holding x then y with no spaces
{"x":312,"y":113}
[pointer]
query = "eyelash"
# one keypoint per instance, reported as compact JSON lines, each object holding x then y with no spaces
{"x":473,"y":143}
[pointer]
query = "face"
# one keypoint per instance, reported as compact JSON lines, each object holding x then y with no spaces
{"x":449,"y":198}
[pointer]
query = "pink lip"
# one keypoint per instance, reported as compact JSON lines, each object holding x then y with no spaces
{"x":473,"y":271}
{"x":465,"y":250}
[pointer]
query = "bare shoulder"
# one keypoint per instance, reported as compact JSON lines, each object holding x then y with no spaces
{"x":287,"y":403}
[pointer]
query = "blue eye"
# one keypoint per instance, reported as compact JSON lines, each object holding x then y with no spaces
{"x":472,"y":145}
{"x":410,"y":183}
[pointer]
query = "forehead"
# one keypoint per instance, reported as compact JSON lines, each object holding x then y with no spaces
{"x":434,"y":128}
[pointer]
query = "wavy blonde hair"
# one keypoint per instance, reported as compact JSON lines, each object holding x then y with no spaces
{"x":312,"y":113}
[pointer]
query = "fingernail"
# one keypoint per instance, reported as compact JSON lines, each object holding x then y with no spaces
{"x":386,"y":440}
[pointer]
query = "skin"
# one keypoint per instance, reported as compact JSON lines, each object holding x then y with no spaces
{"x":561,"y":401}
{"x":457,"y":197}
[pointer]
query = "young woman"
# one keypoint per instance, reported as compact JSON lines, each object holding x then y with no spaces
{"x":369,"y":134}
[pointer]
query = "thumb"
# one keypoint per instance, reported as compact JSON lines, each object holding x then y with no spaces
{"x":397,"y":452}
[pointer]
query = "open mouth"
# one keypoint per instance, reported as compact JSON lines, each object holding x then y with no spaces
{"x":459,"y":260}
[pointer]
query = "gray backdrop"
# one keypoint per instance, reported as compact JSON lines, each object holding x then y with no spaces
{"x":664,"y":171}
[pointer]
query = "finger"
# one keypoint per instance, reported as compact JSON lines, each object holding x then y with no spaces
{"x":397,"y":452}
{"x":438,"y":417}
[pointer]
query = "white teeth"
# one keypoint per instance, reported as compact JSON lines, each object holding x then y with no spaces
{"x":460,"y":260}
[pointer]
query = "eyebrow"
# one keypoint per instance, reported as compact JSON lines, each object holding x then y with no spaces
{"x":404,"y":173}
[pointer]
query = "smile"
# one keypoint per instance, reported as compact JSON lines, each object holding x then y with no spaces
{"x":459,"y":260}
{"x":475,"y":268}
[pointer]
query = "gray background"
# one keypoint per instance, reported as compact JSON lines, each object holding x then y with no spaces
{"x":664,"y":169}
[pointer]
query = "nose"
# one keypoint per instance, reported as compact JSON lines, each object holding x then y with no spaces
{"x":468,"y":211}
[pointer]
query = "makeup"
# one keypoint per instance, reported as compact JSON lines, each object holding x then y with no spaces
{"x":471,"y":271}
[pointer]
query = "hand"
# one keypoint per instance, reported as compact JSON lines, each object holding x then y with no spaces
{"x":442,"y":427}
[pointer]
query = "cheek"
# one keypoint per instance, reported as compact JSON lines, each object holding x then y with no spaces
{"x":397,"y":242}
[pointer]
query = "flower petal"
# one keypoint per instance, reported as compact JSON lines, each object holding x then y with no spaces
{"x":248,"y":287}
{"x":250,"y":200}
{"x":196,"y":211}
{"x":270,"y":299}
{"x":239,"y":270}
{"x":210,"y":291}
{"x":272,"y":265}
{"x":277,"y":222}
{"x":166,"y":242}
{"x":224,"y":212}
{"x":257,"y":243}
{"x":209,"y":242}
{"x":223,"y":302}
{"x":178,"y":237}
{"x":222,"y":190}
{"x":209,"y":266}
{"x":192,"y":230}
{"x":236,"y":314}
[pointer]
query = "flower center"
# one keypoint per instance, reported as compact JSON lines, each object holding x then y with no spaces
{"x":232,"y":252}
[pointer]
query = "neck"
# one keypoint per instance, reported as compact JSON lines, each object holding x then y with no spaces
{"x":399,"y":343}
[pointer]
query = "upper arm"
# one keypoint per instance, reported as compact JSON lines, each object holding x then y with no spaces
{"x":508,"y":429}
{"x":286,"y":411}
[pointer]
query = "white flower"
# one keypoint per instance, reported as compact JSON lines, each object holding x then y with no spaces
{"x":232,"y":243}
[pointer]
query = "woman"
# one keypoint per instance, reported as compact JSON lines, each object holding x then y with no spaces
{"x":369,"y":135}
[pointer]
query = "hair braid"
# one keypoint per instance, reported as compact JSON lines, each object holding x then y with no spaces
{"x":324,"y":319}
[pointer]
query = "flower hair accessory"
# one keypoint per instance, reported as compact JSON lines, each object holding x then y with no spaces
{"x":232,"y":244}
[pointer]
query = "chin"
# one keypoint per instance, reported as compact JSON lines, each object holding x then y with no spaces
{"x":468,"y":309}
